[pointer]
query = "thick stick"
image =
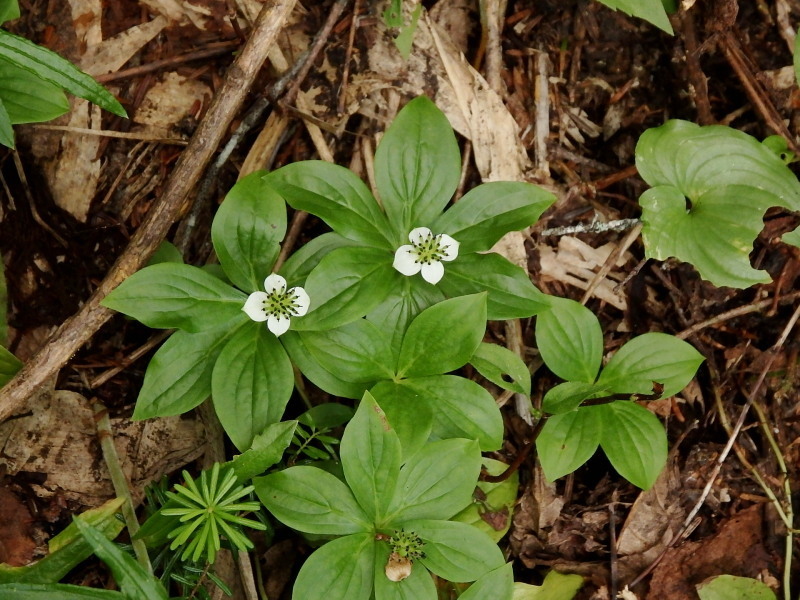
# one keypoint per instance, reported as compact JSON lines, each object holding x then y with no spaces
{"x":80,"y":327}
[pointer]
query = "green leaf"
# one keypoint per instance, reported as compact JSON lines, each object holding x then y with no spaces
{"x":370,"y":454}
{"x":634,"y":441}
{"x":729,"y":179}
{"x":554,"y":587}
{"x":417,"y":586}
{"x":651,"y":11}
{"x":346,"y":285}
{"x":6,"y":131}
{"x":502,"y":367}
{"x":340,"y":570}
{"x":488,"y":212}
{"x":133,"y":580}
{"x":315,"y":372}
{"x":298,"y":266}
{"x":169,"y":295}
{"x":62,"y":591}
{"x":651,"y":357}
{"x":568,"y":396}
{"x":492,"y":514}
{"x":456,"y":551}
{"x":511,"y":293}
{"x":28,"y":98}
{"x":247,"y":231}
{"x":251,"y":383}
{"x":337,"y":196}
{"x":9,"y":10}
{"x":178,"y":377}
{"x":326,"y":416}
{"x":409,"y":412}
{"x":725,"y":587}
{"x":405,"y":39}
{"x":461,"y":409}
{"x":57,"y":70}
{"x":266,"y":450}
{"x":358,"y":352}
{"x":417,"y":167}
{"x":9,"y":365}
{"x":166,"y":252}
{"x":570,"y":340}
{"x":569,"y":440}
{"x":443,"y":337}
{"x":437,"y":482}
{"x":497,"y":584}
{"x":313,"y":501}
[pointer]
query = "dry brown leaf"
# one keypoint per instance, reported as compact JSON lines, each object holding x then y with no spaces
{"x":168,"y":101}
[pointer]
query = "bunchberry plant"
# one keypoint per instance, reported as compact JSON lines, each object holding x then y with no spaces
{"x":223,"y":347}
{"x":390,"y":516}
{"x":652,"y":365}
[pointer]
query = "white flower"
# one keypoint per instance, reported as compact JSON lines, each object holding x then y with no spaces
{"x":277,"y":305}
{"x":425,"y":253}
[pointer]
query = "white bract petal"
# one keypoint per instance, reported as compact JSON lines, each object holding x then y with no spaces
{"x":278,"y":324}
{"x":433,"y":272}
{"x":405,"y":260}
{"x":448,"y":246}
{"x":419,"y":234}
{"x":256,"y":306}
{"x":275,"y":283}
{"x":301,"y":301}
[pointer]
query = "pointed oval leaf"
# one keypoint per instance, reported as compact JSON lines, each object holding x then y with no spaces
{"x":247,"y":230}
{"x":169,"y":295}
{"x":409,"y":412}
{"x":488,"y":212}
{"x":417,"y":167}
{"x":298,"y":266}
{"x":725,"y":587}
{"x":554,"y":587}
{"x":251,"y":383}
{"x":313,"y":501}
{"x":28,"y":98}
{"x":570,"y":340}
{"x":568,"y":396}
{"x":337,"y":196}
{"x":568,"y":440}
{"x":502,"y":367}
{"x":266,"y":450}
{"x":651,"y":11}
{"x":340,"y":570}
{"x":443,"y":337}
{"x":648,"y":358}
{"x":634,"y":441}
{"x":497,"y":584}
{"x":456,"y":551}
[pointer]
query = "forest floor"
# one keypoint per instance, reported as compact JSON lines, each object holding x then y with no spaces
{"x":581,"y":83}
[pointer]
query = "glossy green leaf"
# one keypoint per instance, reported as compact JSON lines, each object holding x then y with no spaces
{"x":437,"y":482}
{"x":313,"y":501}
{"x":417,"y":167}
{"x":409,"y":412}
{"x":651,"y":357}
{"x":497,"y":584}
{"x":298,"y":266}
{"x":456,"y":551}
{"x":166,"y":252}
{"x":728,"y":587}
{"x":370,"y":454}
{"x":634,"y":441}
{"x":326,"y":416}
{"x":170,"y":295}
{"x":28,"y":98}
{"x":570,"y":340}
{"x":569,"y":440}
{"x":9,"y":10}
{"x":51,"y":67}
{"x":6,"y":131}
{"x":178,"y":377}
{"x":316,"y":373}
{"x":131,"y":577}
{"x":569,"y":395}
{"x":488,"y":212}
{"x":405,"y":39}
{"x":340,"y":570}
{"x":461,"y":409}
{"x":511,"y":293}
{"x":247,"y":231}
{"x":729,"y":180}
{"x":337,"y":196}
{"x":443,"y":337}
{"x":266,"y":450}
{"x":417,"y":586}
{"x":62,"y":591}
{"x":9,"y":365}
{"x":651,"y":11}
{"x":492,"y":514}
{"x":554,"y":587}
{"x":357,"y":352}
{"x":251,"y":383}
{"x":346,"y":285}
{"x":502,"y":367}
